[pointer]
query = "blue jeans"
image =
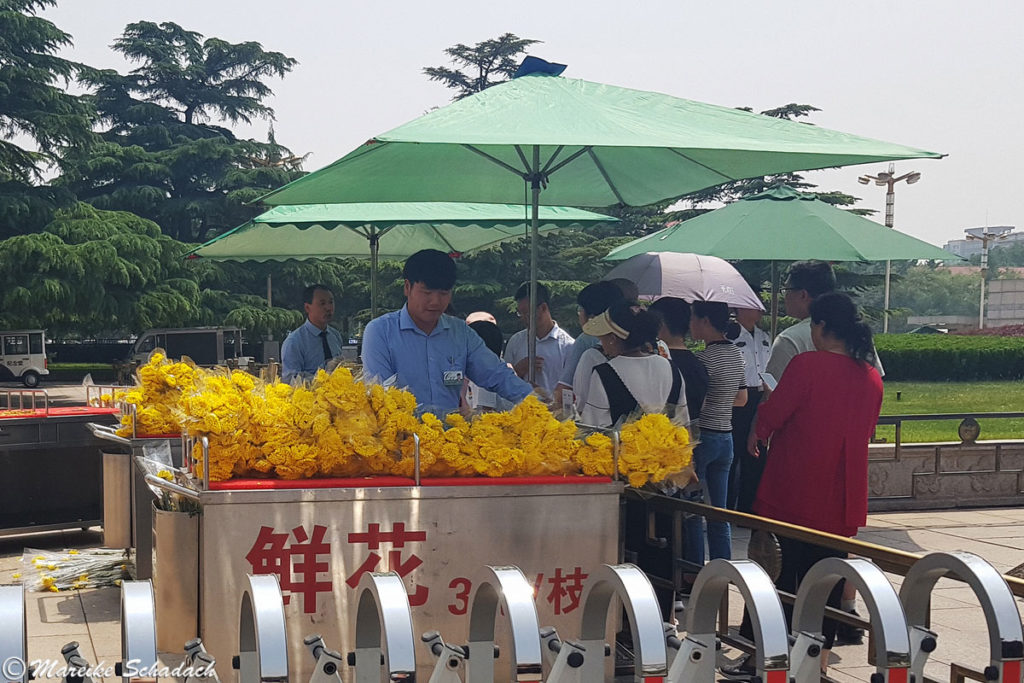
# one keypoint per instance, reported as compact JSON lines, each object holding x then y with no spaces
{"x":712,"y":459}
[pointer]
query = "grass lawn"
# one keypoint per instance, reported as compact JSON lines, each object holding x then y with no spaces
{"x":953,"y":397}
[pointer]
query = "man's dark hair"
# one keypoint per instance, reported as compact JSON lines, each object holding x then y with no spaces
{"x":490,"y":333}
{"x":630,"y":292}
{"x":309,"y":292}
{"x":674,"y":313}
{"x":543,"y":295}
{"x":815,"y":277}
{"x":595,"y":299}
{"x":435,"y":269}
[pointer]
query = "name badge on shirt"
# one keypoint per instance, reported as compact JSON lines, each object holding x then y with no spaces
{"x":452,"y":378}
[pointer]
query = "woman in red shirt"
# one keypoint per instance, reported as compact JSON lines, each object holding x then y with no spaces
{"x":819,"y":421}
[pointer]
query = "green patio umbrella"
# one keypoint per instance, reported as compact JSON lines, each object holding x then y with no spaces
{"x":382,"y":230}
{"x":572,"y":142}
{"x":783,"y":225}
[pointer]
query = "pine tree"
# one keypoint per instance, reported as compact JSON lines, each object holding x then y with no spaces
{"x":32,"y":104}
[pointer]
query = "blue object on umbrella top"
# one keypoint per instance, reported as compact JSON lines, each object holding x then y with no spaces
{"x":536,"y":65}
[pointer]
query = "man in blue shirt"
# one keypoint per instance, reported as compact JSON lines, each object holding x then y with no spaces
{"x":429,"y":353}
{"x":311,"y":346}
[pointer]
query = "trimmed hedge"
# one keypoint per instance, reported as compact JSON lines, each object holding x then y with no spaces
{"x":947,"y":357}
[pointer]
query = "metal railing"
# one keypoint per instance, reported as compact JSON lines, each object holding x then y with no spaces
{"x":898,"y":420}
{"x":888,"y":559}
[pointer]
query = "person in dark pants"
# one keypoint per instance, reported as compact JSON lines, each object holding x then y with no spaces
{"x":816,"y":476}
{"x":755,"y":346}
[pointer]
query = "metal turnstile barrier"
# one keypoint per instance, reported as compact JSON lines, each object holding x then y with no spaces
{"x":328,"y":662}
{"x":262,"y":633}
{"x":200,"y":664}
{"x":1006,"y":640}
{"x":885,"y":612}
{"x":77,"y":665}
{"x":138,"y":632}
{"x":632,"y":587}
{"x":13,"y":633}
{"x":383,"y":628}
{"x":695,"y":661}
{"x":505,"y":588}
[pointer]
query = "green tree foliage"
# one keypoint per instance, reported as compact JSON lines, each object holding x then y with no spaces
{"x":480,"y":66}
{"x":91,"y":272}
{"x":163,"y":155}
{"x":1002,"y":256}
{"x":32,"y":105}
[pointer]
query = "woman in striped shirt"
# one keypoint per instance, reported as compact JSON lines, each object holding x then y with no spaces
{"x":712,"y":458}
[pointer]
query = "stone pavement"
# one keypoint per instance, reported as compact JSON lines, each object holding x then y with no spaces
{"x":91,"y":616}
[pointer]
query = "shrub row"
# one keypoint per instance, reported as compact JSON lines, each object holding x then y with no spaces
{"x":942,"y":357}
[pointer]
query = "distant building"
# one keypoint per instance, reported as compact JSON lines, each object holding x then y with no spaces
{"x":1005,"y":303}
{"x":968,"y":248}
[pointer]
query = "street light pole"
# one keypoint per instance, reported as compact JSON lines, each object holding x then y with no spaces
{"x":985,"y":238}
{"x":888,"y":179}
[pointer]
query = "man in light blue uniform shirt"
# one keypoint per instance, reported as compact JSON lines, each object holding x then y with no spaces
{"x":308,"y":348}
{"x":429,"y":353}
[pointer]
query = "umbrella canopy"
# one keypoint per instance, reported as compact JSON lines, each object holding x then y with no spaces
{"x":783,"y":225}
{"x":399,"y":229}
{"x":586,"y":144}
{"x":583,"y":144}
{"x":692,"y":277}
{"x":389,"y":230}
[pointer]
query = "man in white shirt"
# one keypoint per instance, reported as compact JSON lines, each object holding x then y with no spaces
{"x":553,"y":343}
{"x":754,"y":344}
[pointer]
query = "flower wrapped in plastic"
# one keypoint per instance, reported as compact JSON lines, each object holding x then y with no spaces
{"x":220,"y":408}
{"x":162,"y":382}
{"x":651,"y":449}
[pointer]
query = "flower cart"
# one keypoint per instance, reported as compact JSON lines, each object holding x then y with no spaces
{"x":323,"y":483}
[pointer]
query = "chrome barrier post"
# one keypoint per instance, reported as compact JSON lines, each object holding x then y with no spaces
{"x":450,"y":659}
{"x":634,"y":590}
{"x":13,"y":633}
{"x":383,"y":629}
{"x":201,"y":664}
{"x":328,"y":662}
{"x":695,"y":661}
{"x":889,"y":626}
{"x":262,"y":633}
{"x":507,"y":588}
{"x":138,"y":632}
{"x":77,"y":665}
{"x":1006,"y":640}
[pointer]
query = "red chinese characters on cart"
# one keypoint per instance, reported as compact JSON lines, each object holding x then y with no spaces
{"x":301,"y":561}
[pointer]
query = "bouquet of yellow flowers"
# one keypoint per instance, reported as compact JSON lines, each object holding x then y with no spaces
{"x":651,"y":449}
{"x":338,"y":426}
{"x":162,"y":382}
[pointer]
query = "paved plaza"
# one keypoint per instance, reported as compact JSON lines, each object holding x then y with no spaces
{"x":91,"y":616}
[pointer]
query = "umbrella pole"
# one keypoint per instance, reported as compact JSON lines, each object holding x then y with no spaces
{"x":270,"y":301}
{"x":374,"y":247}
{"x":531,"y":328}
{"x":775,"y":301}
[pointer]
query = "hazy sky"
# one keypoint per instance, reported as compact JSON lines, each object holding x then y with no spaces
{"x":942,"y":75}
